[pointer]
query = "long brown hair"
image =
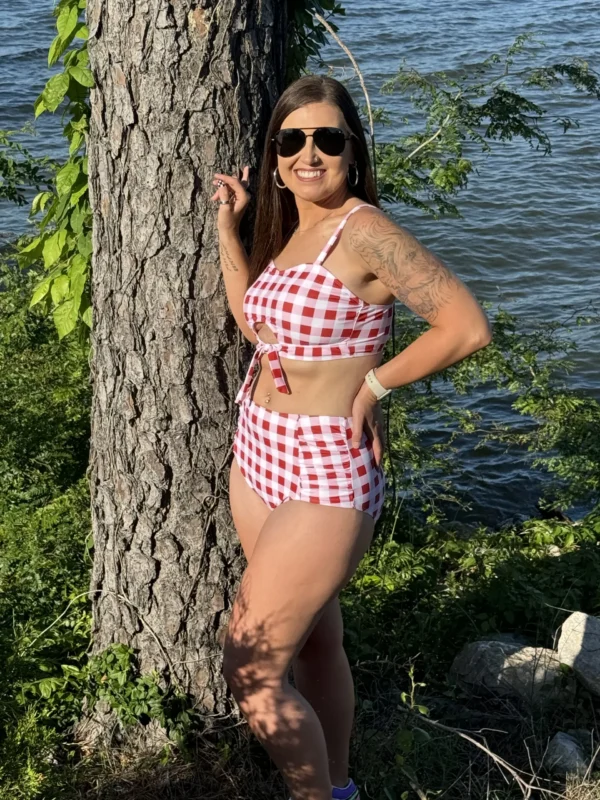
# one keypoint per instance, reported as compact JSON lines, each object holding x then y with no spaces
{"x":276,"y":212}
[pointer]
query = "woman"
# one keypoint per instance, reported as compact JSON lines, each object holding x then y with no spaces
{"x":306,"y":483}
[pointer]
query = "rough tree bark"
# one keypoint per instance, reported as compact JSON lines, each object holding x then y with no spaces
{"x":182,"y":90}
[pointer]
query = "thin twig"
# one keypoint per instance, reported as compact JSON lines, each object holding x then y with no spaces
{"x":524,"y":786}
{"x":431,"y":138}
{"x":346,"y":50}
{"x":143,"y":620}
{"x":354,"y":64}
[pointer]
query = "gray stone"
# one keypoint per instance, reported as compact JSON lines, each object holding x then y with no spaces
{"x":566,"y":756}
{"x":509,"y":668}
{"x":579,"y":647}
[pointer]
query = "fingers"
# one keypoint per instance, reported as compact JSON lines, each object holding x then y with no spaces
{"x":233,"y":182}
{"x":357,"y":428}
{"x":378,"y":448}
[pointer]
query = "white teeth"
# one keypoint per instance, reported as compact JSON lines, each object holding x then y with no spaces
{"x":314,"y":174}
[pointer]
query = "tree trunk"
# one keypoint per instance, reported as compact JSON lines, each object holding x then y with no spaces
{"x":182,"y":90}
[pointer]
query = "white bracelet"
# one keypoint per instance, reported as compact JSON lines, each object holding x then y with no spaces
{"x":378,"y":390}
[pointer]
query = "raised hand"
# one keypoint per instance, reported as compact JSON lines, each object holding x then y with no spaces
{"x":235,"y":190}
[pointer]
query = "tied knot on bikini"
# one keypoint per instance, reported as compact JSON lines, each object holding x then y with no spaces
{"x":314,"y":316}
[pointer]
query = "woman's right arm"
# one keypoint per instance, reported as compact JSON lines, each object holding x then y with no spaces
{"x":234,"y":259}
{"x":234,"y":265}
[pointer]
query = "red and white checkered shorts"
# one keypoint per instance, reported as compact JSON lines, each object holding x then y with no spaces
{"x":287,"y":456}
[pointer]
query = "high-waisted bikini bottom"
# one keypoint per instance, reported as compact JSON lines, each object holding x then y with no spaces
{"x":287,"y":456}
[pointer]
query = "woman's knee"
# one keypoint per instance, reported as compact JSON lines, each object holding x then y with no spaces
{"x":250,"y":669}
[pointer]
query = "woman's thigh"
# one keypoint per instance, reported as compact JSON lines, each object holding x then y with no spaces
{"x":304,"y":556}
{"x":248,"y":511}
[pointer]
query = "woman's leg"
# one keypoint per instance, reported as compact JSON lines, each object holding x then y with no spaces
{"x":303,"y":557}
{"x":322,"y":675}
{"x":321,"y":670}
{"x":249,"y":512}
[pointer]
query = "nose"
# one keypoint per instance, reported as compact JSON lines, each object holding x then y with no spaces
{"x":309,"y":151}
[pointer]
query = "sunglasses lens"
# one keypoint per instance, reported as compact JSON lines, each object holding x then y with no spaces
{"x":330,"y":140}
{"x":290,"y":141}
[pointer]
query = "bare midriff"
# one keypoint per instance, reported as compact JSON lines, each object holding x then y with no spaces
{"x":316,"y":387}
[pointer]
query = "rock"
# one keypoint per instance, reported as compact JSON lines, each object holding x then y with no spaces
{"x":565,"y":756}
{"x":509,"y":668}
{"x":579,"y":647}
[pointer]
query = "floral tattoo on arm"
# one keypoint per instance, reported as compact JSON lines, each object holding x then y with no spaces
{"x":410,"y":271}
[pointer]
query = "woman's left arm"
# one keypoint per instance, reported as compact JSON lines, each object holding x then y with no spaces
{"x":424,"y":284}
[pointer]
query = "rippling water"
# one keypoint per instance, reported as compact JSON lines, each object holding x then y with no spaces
{"x":528,"y":238}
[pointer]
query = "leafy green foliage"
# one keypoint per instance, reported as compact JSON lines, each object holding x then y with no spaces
{"x":487,"y":103}
{"x":441,"y":589}
{"x":113,"y":677}
{"x":64,"y":240}
{"x":528,"y":366}
{"x":19,"y":170}
{"x":306,"y":35}
{"x":43,"y":568}
{"x":44,"y":399}
{"x":44,"y":534}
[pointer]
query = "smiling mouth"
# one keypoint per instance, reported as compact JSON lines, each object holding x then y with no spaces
{"x":309,"y":174}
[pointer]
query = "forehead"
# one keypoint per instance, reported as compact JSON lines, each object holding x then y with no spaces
{"x":315,"y":115}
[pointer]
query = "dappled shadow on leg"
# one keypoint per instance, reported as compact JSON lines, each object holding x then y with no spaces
{"x":256,"y":670}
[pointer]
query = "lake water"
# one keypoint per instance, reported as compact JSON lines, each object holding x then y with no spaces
{"x":528,"y":239}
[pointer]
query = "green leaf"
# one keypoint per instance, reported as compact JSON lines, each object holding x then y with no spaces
{"x":39,"y":106}
{"x":78,"y":217}
{"x":57,"y":48}
{"x":86,"y":316}
{"x":421,"y":735}
{"x":41,"y":290}
{"x":77,"y":284}
{"x":53,"y":247}
{"x":32,"y":252}
{"x":569,"y":539}
{"x":39,"y":202}
{"x":76,"y":141}
{"x":84,"y":245}
{"x":60,"y":289}
{"x":65,"y":318}
{"x":32,"y":246}
{"x":77,"y":194}
{"x":82,"y":76}
{"x":82,"y":31}
{"x":405,"y":740}
{"x":55,"y":91}
{"x":66,"y":177}
{"x":67,"y":21}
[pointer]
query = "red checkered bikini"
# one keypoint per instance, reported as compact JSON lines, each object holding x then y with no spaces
{"x":285,"y":456}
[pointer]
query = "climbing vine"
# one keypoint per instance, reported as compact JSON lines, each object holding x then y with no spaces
{"x":64,"y":240}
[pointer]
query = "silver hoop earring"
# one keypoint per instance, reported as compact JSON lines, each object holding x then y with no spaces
{"x":275,"y":176}
{"x":348,"y":176}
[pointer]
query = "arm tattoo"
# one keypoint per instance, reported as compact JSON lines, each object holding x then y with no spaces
{"x":415,"y":275}
{"x":227,"y":259}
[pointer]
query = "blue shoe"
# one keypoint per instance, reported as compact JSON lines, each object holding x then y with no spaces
{"x":349,"y":792}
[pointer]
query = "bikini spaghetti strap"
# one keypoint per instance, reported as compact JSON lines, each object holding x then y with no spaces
{"x":334,"y":237}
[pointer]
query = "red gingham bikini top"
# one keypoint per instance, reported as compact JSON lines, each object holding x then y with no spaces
{"x":314,"y":316}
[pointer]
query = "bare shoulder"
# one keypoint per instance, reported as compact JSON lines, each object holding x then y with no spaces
{"x":415,"y":275}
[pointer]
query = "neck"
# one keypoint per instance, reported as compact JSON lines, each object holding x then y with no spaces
{"x":310,"y":214}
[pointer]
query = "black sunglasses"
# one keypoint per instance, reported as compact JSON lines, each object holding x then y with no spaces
{"x":331,"y":141}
